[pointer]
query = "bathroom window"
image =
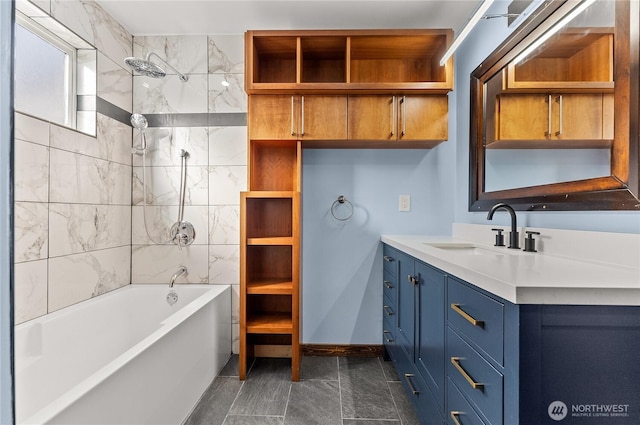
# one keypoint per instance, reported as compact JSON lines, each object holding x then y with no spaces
{"x":45,"y":68}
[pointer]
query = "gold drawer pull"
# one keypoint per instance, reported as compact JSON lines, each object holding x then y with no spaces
{"x":454,"y":417}
{"x":384,"y":333}
{"x":470,"y":319}
{"x":475,"y":385}
{"x":387,"y":284}
{"x":408,"y":377}
{"x":387,"y":310}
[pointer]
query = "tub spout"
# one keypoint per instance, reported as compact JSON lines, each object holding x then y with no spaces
{"x":182,"y":270}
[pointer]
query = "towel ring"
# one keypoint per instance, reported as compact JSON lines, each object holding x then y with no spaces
{"x":341,"y":200}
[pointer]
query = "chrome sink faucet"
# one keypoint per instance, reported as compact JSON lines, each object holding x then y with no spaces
{"x":182,"y":270}
{"x":514,"y":239}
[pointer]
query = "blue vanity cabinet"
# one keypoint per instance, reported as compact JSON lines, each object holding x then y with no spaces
{"x":418,"y":353}
{"x":467,"y":356}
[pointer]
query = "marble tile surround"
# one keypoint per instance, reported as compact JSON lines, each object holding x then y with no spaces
{"x":88,"y":190}
{"x":216,"y":167}
{"x":73,"y":191}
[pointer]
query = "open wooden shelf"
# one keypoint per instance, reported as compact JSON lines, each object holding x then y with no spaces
{"x":270,"y":287}
{"x":308,"y":61}
{"x":273,"y":166}
{"x":572,"y":60}
{"x":270,"y":323}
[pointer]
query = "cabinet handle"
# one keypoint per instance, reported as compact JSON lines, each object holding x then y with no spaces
{"x":393,"y":115}
{"x":387,"y":284}
{"x":454,"y":417}
{"x":389,"y":259}
{"x":293,"y":130}
{"x":412,"y":279}
{"x":384,"y":333}
{"x":387,"y":310}
{"x":467,"y":316}
{"x":548,"y":133}
{"x":475,"y":385}
{"x":559,"y":100}
{"x":407,"y":377}
{"x":302,"y":124}
{"x":404,"y":116}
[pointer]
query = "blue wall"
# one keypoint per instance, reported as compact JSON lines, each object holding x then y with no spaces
{"x":341,"y":261}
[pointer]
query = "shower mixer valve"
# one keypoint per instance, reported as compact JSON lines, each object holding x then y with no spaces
{"x":183,"y":233}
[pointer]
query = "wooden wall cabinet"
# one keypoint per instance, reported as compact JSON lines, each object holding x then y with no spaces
{"x":553,"y":120}
{"x":398,"y":117}
{"x":298,"y":117}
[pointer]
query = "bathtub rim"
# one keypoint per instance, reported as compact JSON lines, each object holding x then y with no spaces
{"x":67,"y":398}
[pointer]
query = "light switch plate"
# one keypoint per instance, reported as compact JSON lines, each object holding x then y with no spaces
{"x":404,"y":203}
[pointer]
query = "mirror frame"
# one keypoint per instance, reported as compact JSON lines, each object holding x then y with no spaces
{"x":620,"y":190}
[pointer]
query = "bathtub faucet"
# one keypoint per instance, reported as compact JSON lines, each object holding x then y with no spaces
{"x":182,"y":270}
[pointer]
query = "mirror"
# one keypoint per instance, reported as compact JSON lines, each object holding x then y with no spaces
{"x":554,"y":111}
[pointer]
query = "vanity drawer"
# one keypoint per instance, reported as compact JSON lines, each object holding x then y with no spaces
{"x":459,"y":411}
{"x":390,"y":285}
{"x":477,"y":316}
{"x":389,"y":260}
{"x":480,"y":382}
{"x":389,"y":310}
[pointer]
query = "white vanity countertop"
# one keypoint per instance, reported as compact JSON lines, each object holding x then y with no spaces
{"x":529,"y":277}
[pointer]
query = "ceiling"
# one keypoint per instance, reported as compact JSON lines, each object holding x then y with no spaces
{"x":190,"y":17}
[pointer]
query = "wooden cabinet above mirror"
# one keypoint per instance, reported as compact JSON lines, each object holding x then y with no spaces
{"x":554,"y":111}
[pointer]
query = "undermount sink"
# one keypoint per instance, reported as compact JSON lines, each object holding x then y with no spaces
{"x":464,"y":248}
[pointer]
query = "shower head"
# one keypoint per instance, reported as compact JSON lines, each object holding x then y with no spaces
{"x":145,"y":67}
{"x":150,"y":69}
{"x":139,"y":121}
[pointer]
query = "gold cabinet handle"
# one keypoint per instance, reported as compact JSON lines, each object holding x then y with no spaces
{"x":387,"y":310}
{"x":384,"y":333}
{"x":475,"y":385}
{"x":467,"y":316}
{"x":387,"y":284}
{"x":389,"y":259}
{"x":408,"y":377}
{"x":454,"y":417}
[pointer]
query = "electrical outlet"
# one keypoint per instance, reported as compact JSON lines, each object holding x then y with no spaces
{"x":404,"y":203}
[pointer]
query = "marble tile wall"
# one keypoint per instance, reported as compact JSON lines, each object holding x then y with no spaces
{"x":73,"y":191}
{"x":216,"y":170}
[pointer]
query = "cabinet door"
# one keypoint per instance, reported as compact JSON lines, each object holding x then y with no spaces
{"x":523,"y":117}
{"x":578,"y":117}
{"x":323,"y":118}
{"x":272,"y":117}
{"x":371,"y":118}
{"x":430,"y":336}
{"x":406,"y":305}
{"x":423,"y":118}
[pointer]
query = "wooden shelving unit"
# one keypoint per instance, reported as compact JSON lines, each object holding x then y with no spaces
{"x":270,"y":255}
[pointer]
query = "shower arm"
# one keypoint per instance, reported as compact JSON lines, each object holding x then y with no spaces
{"x":182,"y":77}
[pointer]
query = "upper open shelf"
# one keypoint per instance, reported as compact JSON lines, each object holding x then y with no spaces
{"x":347,"y":61}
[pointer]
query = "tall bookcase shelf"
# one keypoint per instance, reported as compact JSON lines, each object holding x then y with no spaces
{"x":270,"y":257}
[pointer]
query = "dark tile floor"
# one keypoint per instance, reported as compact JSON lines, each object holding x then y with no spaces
{"x":331,"y":391}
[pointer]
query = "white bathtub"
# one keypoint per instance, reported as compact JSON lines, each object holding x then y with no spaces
{"x":126,"y":357}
